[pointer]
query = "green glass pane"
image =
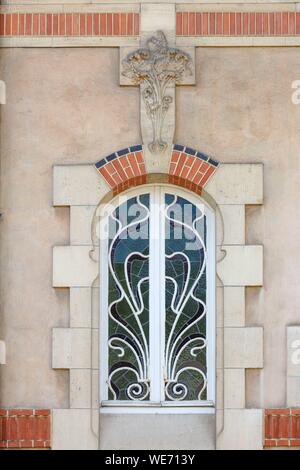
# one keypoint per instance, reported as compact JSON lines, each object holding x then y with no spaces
{"x":128,"y":300}
{"x":185,"y":328}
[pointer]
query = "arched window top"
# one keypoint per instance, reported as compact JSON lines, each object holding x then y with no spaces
{"x":157,"y":319}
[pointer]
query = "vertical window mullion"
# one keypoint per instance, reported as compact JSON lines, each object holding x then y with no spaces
{"x":155,"y":295}
{"x":162,"y":312}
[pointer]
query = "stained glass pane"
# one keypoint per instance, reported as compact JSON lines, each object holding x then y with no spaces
{"x":128,"y":301}
{"x":185,"y":304}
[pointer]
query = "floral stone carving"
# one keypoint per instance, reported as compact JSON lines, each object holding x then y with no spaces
{"x":156,"y":67}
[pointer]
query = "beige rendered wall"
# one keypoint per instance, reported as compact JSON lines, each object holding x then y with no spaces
{"x":65,"y":106}
{"x":241,"y":111}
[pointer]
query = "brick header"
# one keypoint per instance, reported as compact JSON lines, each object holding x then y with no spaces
{"x":123,"y":169}
{"x":238,"y":23}
{"x":25,"y":428}
{"x":191,"y":169}
{"x":69,"y":24}
{"x":126,"y":168}
{"x":282,"y":427}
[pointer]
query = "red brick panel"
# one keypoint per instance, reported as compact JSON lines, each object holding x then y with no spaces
{"x":24,"y":428}
{"x":123,"y":169}
{"x":282,"y":427}
{"x":191,"y":169}
{"x":126,"y":168}
{"x":69,"y":24}
{"x":238,"y":23}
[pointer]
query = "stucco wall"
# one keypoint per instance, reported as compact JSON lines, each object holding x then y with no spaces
{"x":241,"y":111}
{"x":65,"y":106}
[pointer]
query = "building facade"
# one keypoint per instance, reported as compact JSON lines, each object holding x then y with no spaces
{"x":149,"y":230}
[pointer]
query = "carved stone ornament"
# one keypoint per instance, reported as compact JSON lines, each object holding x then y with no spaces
{"x":156,"y":67}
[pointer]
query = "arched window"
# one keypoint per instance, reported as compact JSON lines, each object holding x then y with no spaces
{"x":157,"y":299}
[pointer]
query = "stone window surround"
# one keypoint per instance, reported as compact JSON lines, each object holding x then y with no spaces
{"x":238,"y":265}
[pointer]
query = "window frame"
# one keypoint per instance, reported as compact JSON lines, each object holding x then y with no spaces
{"x":157,"y":304}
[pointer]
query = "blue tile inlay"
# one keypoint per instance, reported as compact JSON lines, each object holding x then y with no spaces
{"x":111,"y":157}
{"x":202,"y":156}
{"x":100,"y":163}
{"x":213,"y":162}
{"x":178,"y":147}
{"x":122,"y":152}
{"x":136,"y":148}
{"x":190,"y":151}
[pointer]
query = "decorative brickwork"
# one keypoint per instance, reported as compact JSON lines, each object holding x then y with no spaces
{"x":123,"y":169}
{"x":24,"y":428}
{"x":191,"y":169}
{"x":280,"y":23}
{"x":126,"y":168}
{"x":69,"y":24}
{"x":282,"y":427}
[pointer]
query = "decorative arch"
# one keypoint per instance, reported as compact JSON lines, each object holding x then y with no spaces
{"x":126,"y":168}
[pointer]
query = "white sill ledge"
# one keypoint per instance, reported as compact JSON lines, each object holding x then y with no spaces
{"x":186,"y":410}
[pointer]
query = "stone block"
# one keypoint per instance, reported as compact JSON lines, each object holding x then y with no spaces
{"x":237,"y":183}
{"x":243,"y":348}
{"x":73,"y":429}
{"x":234,"y":306}
{"x":73,"y":266}
{"x":2,"y":353}
{"x":234,"y":388}
{"x":80,"y":307}
{"x":293,"y":351}
{"x":241,"y":265}
{"x":77,"y":185}
{"x":71,"y":348}
{"x":293,"y":392}
{"x":243,"y":430}
{"x":234,"y":224}
{"x":80,"y":224}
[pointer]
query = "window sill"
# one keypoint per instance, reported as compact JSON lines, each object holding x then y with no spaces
{"x":155,"y":409}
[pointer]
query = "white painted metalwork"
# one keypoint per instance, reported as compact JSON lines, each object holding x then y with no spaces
{"x":157,"y":364}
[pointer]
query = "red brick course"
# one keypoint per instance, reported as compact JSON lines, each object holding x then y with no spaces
{"x":282,"y":427}
{"x":238,"y":23}
{"x":25,"y":428}
{"x":69,"y":24}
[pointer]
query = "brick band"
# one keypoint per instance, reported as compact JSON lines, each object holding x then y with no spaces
{"x":282,"y":427}
{"x":69,"y":24}
{"x":24,"y":428}
{"x":282,"y":23}
{"x":238,"y":23}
